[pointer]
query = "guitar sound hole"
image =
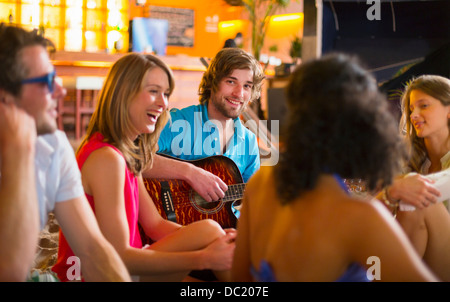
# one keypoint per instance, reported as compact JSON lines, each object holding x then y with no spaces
{"x":204,"y":206}
{"x":209,"y":205}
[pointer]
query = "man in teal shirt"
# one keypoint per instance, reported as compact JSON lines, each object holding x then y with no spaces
{"x":232,"y":80}
{"x":192,"y":135}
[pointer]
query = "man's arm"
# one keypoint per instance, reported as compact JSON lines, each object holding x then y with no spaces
{"x":19,"y":215}
{"x":206,"y":184}
{"x":98,"y":259}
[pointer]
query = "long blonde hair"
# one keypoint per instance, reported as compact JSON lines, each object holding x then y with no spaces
{"x":111,"y":116}
{"x":435,"y":86}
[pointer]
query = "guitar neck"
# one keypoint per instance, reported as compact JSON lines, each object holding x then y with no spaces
{"x":234,"y":192}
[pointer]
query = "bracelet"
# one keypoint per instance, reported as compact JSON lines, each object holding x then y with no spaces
{"x":393,"y":205}
{"x":386,"y":199}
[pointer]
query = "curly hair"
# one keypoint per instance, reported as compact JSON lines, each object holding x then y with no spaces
{"x":111,"y":118}
{"x":12,"y":41}
{"x":222,"y":65}
{"x":435,"y":86}
{"x":338,"y":123}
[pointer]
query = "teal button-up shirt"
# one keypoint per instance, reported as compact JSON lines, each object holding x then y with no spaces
{"x":191,"y":135}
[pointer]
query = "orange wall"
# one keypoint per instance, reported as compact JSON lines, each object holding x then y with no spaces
{"x":206,"y":43}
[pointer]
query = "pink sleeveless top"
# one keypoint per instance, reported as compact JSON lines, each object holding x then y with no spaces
{"x":131,"y":195}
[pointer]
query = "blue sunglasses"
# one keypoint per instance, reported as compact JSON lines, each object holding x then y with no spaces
{"x":49,"y":79}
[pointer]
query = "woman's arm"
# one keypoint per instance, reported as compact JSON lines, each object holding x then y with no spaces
{"x":99,"y":260}
{"x":378,"y":234}
{"x":413,"y":189}
{"x":103,"y":177}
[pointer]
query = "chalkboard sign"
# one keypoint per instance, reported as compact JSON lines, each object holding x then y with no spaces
{"x":181,"y":24}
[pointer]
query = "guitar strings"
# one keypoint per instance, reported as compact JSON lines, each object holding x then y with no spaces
{"x":240,"y":187}
{"x":229,"y":195}
{"x":181,"y":195}
{"x":238,"y":191}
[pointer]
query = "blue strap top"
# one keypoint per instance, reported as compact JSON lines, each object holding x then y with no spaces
{"x":354,"y":273}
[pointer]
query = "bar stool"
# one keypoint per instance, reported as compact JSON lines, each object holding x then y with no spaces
{"x":80,"y":101}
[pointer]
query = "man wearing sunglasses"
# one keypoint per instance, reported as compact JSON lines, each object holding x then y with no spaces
{"x":48,"y":79}
{"x":27,"y":80}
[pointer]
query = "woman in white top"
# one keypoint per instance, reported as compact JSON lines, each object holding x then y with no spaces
{"x":426,"y":125}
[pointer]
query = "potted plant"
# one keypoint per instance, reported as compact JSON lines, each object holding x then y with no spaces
{"x":259,"y":13}
{"x":296,"y":50}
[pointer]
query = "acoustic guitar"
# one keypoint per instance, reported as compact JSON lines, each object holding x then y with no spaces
{"x":177,"y":201}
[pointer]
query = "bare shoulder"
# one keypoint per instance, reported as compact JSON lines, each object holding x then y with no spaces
{"x":379,"y":209}
{"x":104,"y":166}
{"x":367,"y":204}
{"x":105,"y":156}
{"x":366,"y":213}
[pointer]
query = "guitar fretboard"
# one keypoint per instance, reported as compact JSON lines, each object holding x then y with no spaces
{"x":234,"y":192}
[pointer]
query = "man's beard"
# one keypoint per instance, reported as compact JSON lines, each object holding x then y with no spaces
{"x":220,"y":105}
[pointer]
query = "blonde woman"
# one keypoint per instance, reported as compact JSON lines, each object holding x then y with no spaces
{"x":120,"y":143}
{"x":426,"y":125}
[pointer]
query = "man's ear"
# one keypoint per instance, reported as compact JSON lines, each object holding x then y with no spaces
{"x":2,"y":96}
{"x":6,"y":97}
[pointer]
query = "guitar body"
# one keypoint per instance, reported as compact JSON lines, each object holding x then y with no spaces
{"x":176,"y":200}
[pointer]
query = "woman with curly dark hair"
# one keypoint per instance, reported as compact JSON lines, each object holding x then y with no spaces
{"x":304,"y":225}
